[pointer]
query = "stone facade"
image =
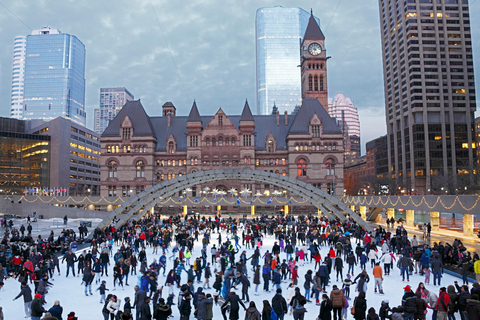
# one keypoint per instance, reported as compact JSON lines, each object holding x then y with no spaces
{"x":139,"y":151}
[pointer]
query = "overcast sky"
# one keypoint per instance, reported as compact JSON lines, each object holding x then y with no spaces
{"x":203,"y":50}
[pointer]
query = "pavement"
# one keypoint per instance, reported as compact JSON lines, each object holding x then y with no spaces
{"x":444,"y":235}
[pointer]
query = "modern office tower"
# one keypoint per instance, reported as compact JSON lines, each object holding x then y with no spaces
{"x":18,"y":76}
{"x":112,"y":101}
{"x":429,"y":93}
{"x":54,"y":84}
{"x":343,"y":109}
{"x":278,"y":33}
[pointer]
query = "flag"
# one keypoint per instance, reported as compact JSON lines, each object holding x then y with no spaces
{"x":269,"y":200}
{"x":290,"y":200}
{"x":238,"y":201}
{"x":196,"y":199}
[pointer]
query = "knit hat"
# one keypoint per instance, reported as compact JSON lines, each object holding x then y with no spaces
{"x":349,"y":276}
{"x":232,"y":290}
{"x":48,"y":316}
{"x":386,"y":301}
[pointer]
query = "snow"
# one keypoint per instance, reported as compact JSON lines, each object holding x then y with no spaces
{"x":70,"y":292}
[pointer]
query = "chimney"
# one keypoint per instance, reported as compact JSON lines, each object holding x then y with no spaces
{"x":286,"y":118}
{"x":169,"y":116}
{"x":278,"y":118}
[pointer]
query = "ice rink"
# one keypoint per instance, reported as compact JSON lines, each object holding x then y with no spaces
{"x":70,"y":292}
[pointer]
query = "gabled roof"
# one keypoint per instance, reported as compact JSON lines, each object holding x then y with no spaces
{"x":246,"y":113}
{"x":141,"y":123}
{"x":194,"y":114}
{"x":313,"y":31}
{"x":305,"y":114}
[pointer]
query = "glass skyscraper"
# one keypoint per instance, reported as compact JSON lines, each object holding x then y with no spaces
{"x":18,"y":76}
{"x":278,"y":32}
{"x":54,"y":84}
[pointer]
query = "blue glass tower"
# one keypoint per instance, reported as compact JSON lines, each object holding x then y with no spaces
{"x":54,"y":76}
{"x":278,"y":34}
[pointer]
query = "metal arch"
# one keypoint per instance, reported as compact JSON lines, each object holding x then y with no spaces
{"x":314,"y":196}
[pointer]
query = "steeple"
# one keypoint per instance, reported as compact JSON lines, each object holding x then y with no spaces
{"x":246,"y":113}
{"x":313,"y":31}
{"x":194,"y":114}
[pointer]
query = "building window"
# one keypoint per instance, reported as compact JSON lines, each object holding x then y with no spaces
{"x":214,"y":142}
{"x":112,"y":169}
{"x":227,"y":142}
{"x":160,"y":176}
{"x":301,"y":167}
{"x":247,"y":160}
{"x":271,"y":146}
{"x":207,"y":142}
{"x":193,"y":161}
{"x":171,"y":147}
{"x":220,"y":120}
{"x":316,"y":131}
{"x":233,"y":142}
{"x":321,"y":84}
{"x":112,"y":191}
{"x":140,"y":169}
{"x":284,"y":173}
{"x":193,"y":141}
{"x":220,"y":141}
{"x":315,"y":81}
{"x":330,"y":167}
{"x":247,"y":141}
{"x":310,"y":83}
{"x":126,"y":132}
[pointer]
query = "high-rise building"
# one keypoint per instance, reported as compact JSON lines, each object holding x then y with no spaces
{"x":18,"y":76}
{"x":343,"y":109}
{"x":278,"y":33}
{"x":112,"y":101}
{"x":54,"y":81}
{"x":429,"y":93}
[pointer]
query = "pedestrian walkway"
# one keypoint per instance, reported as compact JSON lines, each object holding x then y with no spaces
{"x":471,"y":243}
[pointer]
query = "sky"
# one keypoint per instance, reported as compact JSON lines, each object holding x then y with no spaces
{"x":178,"y":51}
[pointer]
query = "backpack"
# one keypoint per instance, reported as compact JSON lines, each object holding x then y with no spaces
{"x":273,"y":315}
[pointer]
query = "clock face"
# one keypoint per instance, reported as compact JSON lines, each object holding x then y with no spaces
{"x":315,"y":49}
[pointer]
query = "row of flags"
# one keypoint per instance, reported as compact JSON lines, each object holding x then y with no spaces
{"x":251,"y":201}
{"x":44,"y":191}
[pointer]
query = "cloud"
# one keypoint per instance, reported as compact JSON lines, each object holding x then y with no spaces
{"x":203,"y":50}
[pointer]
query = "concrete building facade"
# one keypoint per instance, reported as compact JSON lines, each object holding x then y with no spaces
{"x":429,"y":93}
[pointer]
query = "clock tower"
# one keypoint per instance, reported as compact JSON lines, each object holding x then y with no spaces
{"x":313,"y":62}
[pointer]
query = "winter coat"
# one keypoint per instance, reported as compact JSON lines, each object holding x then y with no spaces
{"x":360,"y":308}
{"x":437,"y":265}
{"x":445,"y":298}
{"x":113,"y":307}
{"x":26,"y":292}
{"x":145,"y":311}
{"x":252,"y":314}
{"x":325,"y":310}
{"x":56,"y":311}
{"x":308,"y":281}
{"x":279,"y":304}
{"x":256,"y":277}
{"x":37,"y":309}
{"x":473,"y":309}
{"x":384,"y":309}
{"x":235,"y":302}
{"x":338,"y":298}
{"x":409,"y":302}
{"x":202,"y":306}
{"x":162,"y":312}
{"x":421,"y":307}
{"x":453,"y":299}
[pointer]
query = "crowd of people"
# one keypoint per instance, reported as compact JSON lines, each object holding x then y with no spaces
{"x":193,"y":265}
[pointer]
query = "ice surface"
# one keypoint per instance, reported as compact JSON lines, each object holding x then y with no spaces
{"x":70,"y":292}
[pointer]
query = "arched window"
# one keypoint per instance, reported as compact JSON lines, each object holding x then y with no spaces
{"x":227,"y":141}
{"x":315,"y":80}
{"x":171,"y":147}
{"x":233,"y":141}
{"x":214,"y":142}
{"x":321,"y":66}
{"x":284,"y":173}
{"x":310,"y":83}
{"x":207,"y":142}
{"x":140,"y":169}
{"x":330,"y":164}
{"x":301,"y":167}
{"x":321,"y":83}
{"x":270,"y":146}
{"x":220,"y":141}
{"x":309,"y":66}
{"x":112,"y":169}
{"x":160,"y":176}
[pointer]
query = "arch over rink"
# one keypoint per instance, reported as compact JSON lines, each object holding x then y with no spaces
{"x":142,"y":202}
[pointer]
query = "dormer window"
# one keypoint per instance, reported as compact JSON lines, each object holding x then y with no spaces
{"x":316,"y":131}
{"x":126,"y":133}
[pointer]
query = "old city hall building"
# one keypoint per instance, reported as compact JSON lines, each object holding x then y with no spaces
{"x":139,"y":150}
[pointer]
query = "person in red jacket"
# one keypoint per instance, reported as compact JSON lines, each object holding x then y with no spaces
{"x":17,"y":262}
{"x":442,"y":304}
